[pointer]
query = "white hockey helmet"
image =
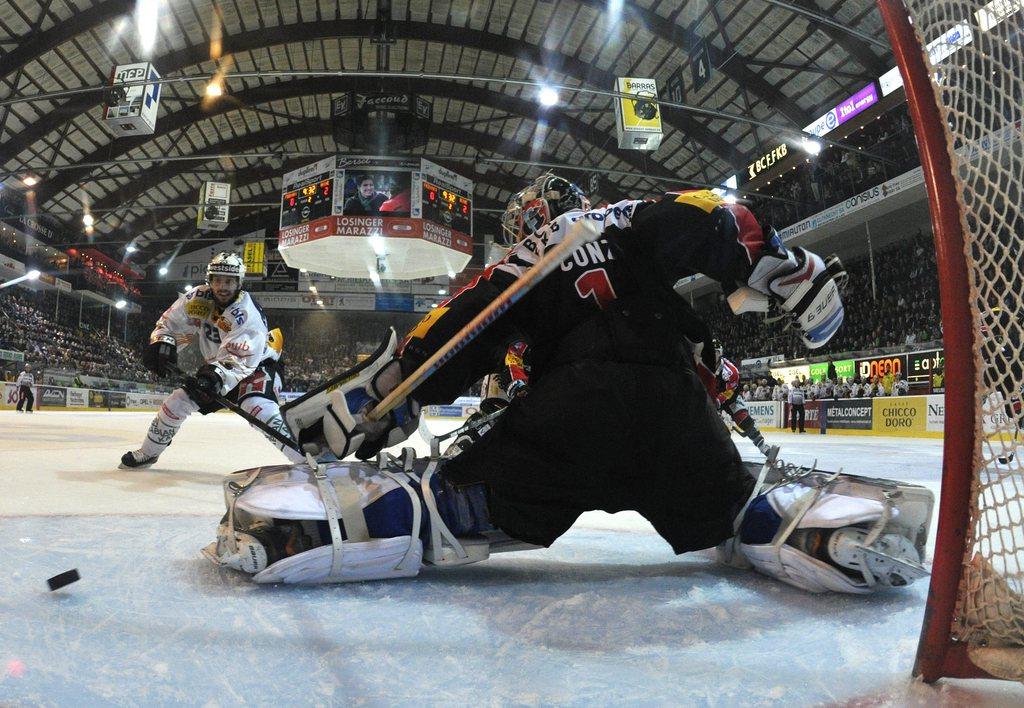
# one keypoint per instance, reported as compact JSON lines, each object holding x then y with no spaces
{"x":547,"y":197}
{"x":226,"y":263}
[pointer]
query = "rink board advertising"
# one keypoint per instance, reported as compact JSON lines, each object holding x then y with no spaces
{"x":51,"y":396}
{"x":852,"y":414}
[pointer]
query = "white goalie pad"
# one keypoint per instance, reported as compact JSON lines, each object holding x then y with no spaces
{"x":265,"y":501}
{"x":313,"y":493}
{"x":844,"y":533}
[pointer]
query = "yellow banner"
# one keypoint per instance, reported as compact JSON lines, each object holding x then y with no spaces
{"x":900,"y":416}
{"x":254,"y":257}
{"x":643,"y":111}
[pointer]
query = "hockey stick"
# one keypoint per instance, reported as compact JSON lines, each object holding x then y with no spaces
{"x":248,"y":417}
{"x":580,"y":233}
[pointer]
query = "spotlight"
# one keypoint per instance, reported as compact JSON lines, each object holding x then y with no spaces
{"x":32,"y":274}
{"x":120,"y":304}
{"x":548,"y":97}
{"x":163,"y":270}
{"x":30,"y":181}
{"x":213,"y":90}
{"x":130,"y":248}
{"x":88,"y":219}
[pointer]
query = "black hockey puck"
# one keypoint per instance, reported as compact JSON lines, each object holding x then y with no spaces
{"x":61,"y":579}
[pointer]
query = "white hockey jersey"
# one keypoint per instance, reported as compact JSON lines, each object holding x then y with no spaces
{"x":233,"y":340}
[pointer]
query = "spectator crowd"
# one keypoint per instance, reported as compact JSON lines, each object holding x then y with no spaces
{"x":768,"y":388}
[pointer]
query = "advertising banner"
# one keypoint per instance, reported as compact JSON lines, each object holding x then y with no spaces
{"x":996,"y":415}
{"x":810,"y":415}
{"x":97,"y":399}
{"x":10,"y":392}
{"x":936,"y":419}
{"x":11,"y":355}
{"x":855,"y":104}
{"x":117,"y":399}
{"x":786,"y":374}
{"x":761,"y":362}
{"x":843,"y":369}
{"x":54,"y":396}
{"x":881,"y":365}
{"x":394,"y":302}
{"x":852,"y":414}
{"x":308,"y":301}
{"x":921,"y":366}
{"x":145,"y":400}
{"x":78,"y":397}
{"x":900,"y":416}
{"x":766,"y":414}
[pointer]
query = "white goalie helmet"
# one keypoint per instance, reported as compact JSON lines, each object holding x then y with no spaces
{"x":226,"y":263}
{"x":547,"y":197}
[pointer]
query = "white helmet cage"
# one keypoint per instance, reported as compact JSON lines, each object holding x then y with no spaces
{"x":547,"y":197}
{"x":226,"y":263}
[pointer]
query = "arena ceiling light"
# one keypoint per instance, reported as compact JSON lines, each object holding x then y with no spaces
{"x":88,"y":219}
{"x":811,"y":147}
{"x":120,"y":304}
{"x":130,"y":248}
{"x":547,"y":96}
{"x":31,"y":275}
{"x":30,"y":181}
{"x":214,"y":90}
{"x":147,"y":17}
{"x":163,"y":270}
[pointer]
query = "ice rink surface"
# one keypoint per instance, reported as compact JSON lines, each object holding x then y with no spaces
{"x":607,"y":616}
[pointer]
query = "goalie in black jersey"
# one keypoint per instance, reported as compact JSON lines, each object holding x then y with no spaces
{"x":615,"y":417}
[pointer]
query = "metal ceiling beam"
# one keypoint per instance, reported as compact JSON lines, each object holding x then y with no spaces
{"x":283,"y":91}
{"x":853,"y":41}
{"x":175,"y":61}
{"x":731,"y":63}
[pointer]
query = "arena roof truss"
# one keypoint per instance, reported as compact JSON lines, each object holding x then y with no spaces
{"x":776,"y":65}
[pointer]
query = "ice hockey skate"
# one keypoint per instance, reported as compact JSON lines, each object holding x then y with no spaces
{"x":137,"y":460}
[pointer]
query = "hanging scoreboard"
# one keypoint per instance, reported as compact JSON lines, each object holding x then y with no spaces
{"x":355,"y":216}
{"x":446,"y":198}
{"x":307,"y":193}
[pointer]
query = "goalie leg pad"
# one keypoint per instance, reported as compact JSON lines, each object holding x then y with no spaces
{"x":343,"y":522}
{"x":839,"y":533}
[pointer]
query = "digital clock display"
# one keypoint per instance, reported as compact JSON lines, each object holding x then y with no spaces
{"x":447,"y":206}
{"x":309,"y":200}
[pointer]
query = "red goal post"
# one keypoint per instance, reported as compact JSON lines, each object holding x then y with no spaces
{"x":966,"y":114}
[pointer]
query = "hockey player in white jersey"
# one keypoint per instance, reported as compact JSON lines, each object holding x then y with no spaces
{"x":241,"y":358}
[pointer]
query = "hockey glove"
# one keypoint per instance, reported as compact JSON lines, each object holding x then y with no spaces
{"x":160,"y":356}
{"x":801,"y":283}
{"x":204,"y":387}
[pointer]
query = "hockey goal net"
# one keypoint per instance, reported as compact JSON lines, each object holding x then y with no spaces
{"x":962,"y":65}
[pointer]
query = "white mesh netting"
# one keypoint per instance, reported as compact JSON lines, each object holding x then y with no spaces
{"x":977,"y":52}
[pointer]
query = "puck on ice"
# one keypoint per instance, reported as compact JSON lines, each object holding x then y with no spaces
{"x":61,"y":579}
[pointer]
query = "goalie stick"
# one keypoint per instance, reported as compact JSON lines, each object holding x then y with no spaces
{"x":578,"y":235}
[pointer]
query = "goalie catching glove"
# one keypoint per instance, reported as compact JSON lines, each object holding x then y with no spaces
{"x":805,"y":287}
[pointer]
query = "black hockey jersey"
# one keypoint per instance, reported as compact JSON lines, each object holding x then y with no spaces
{"x":624,"y":274}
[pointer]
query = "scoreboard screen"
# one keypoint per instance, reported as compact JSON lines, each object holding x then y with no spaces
{"x":448,"y":206}
{"x":310,"y":199}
